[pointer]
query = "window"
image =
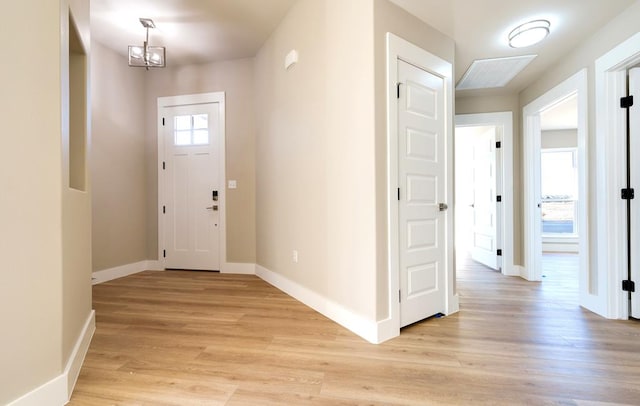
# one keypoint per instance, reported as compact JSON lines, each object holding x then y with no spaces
{"x":191,"y":129}
{"x":559,"y":191}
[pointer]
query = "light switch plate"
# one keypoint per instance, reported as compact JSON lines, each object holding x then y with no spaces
{"x":233,"y":184}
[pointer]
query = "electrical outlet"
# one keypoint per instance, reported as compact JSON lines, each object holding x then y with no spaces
{"x":294,"y":256}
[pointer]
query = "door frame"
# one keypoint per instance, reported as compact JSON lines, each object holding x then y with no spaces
{"x":611,"y":84}
{"x":578,"y":85}
{"x":504,"y":122}
{"x":398,"y":48}
{"x":185,"y":100}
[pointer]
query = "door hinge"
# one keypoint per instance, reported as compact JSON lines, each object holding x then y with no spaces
{"x":164,"y":210}
{"x":628,"y":286}
{"x":498,"y":144}
{"x":398,"y":194}
{"x":499,"y":253}
{"x":162,"y":120}
{"x":498,"y":198}
{"x":628,"y":194}
{"x":398,"y":89}
{"x":626,"y":102}
{"x":164,"y":165}
{"x":164,"y":253}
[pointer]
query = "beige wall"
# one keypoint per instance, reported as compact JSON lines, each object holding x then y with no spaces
{"x":124,"y":153}
{"x":316,"y":166}
{"x":30,"y":239}
{"x":235,"y":79}
{"x":559,"y":139}
{"x":76,"y":204}
{"x":45,"y":291}
{"x":584,"y":56}
{"x":496,"y":104}
{"x":119,"y":208}
{"x":390,"y":18}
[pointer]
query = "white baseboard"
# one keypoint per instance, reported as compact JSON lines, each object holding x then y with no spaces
{"x":52,"y":393}
{"x":453,"y":305}
{"x":110,"y":274}
{"x":520,"y":271}
{"x":74,"y":364}
{"x":58,"y":391}
{"x":238,"y":268}
{"x":367,"y":329}
{"x":387,"y":329}
{"x":153,"y":265}
{"x":513,"y":270}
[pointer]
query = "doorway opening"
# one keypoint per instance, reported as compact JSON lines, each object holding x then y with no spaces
{"x":484,"y":190}
{"x":555,"y":175}
{"x":559,"y":200}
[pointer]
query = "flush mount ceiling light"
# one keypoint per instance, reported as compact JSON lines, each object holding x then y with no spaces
{"x":529,"y":33}
{"x":146,"y":56}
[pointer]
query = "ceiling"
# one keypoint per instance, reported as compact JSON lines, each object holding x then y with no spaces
{"x":480,"y":29}
{"x":198,"y":31}
{"x":193,"y":31}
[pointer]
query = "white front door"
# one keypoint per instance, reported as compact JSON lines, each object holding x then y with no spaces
{"x":485,"y":230}
{"x":634,"y":113}
{"x":191,"y":203}
{"x":421,"y":172}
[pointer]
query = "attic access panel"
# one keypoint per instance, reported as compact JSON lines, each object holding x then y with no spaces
{"x":494,"y":72}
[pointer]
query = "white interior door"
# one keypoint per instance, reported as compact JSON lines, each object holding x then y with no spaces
{"x":421,"y":171}
{"x":192,"y":183}
{"x":485,"y":230}
{"x":634,"y":89}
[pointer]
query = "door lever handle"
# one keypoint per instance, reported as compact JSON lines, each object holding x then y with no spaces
{"x":443,"y":206}
{"x":214,"y":207}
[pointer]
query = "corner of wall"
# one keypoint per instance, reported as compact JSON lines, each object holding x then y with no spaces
{"x":58,"y":390}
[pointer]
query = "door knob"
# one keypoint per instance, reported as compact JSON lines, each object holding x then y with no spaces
{"x":443,"y":206}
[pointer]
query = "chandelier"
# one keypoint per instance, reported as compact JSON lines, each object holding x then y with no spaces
{"x":146,"y":56}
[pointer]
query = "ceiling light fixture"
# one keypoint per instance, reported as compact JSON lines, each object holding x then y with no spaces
{"x":146,"y":56}
{"x":529,"y":33}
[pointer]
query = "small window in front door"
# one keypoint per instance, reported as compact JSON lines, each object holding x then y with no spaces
{"x":191,"y":130}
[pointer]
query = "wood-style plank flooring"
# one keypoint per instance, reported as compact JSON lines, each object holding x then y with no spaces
{"x":194,"y":338}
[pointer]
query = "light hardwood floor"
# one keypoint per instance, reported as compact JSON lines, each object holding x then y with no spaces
{"x":193,"y":338}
